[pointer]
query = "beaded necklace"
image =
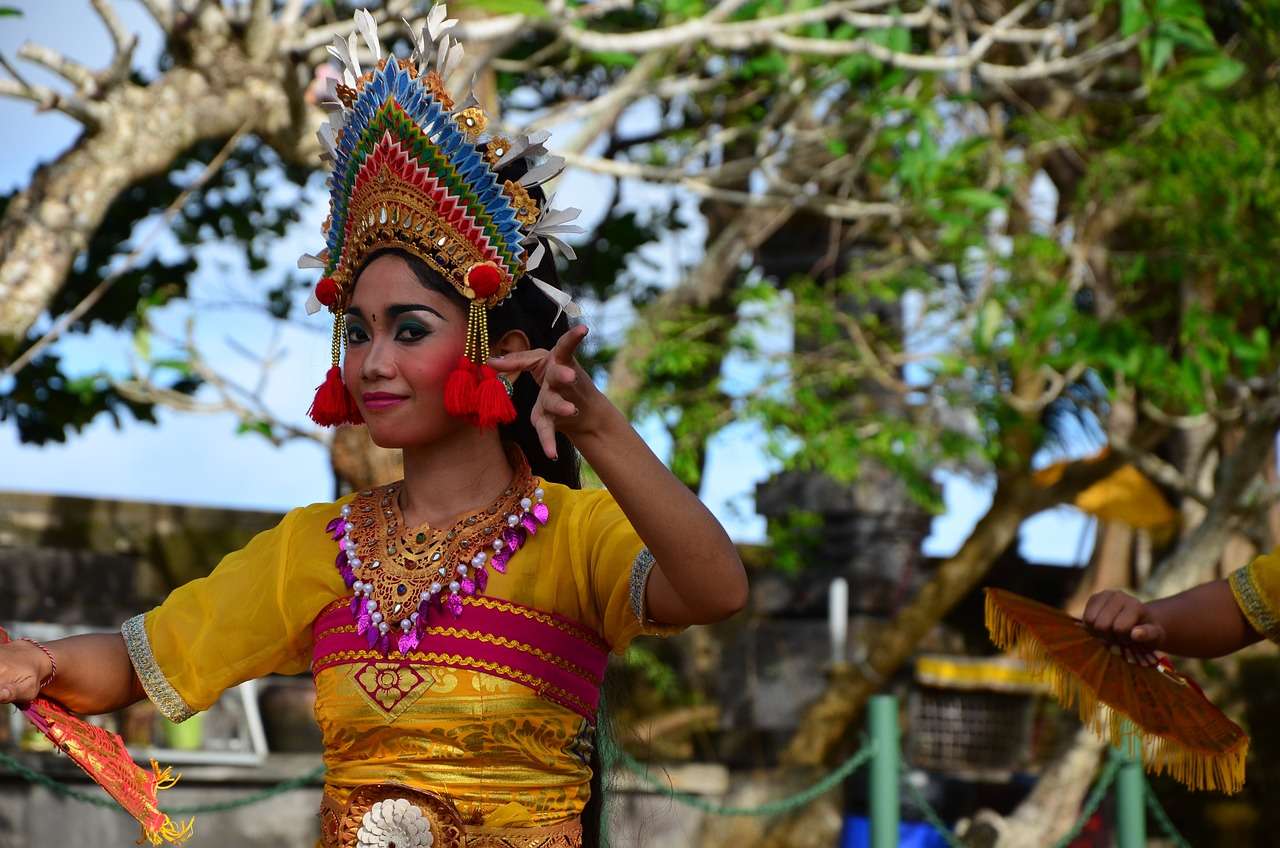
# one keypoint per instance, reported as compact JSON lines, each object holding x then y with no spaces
{"x":399,"y":578}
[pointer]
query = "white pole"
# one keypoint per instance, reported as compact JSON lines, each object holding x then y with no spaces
{"x":838,"y":619}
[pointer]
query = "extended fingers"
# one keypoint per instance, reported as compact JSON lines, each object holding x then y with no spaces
{"x":567,"y":345}
{"x":520,"y":360}
{"x":546,"y":430}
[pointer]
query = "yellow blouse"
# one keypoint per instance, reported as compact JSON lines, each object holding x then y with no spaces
{"x":1256,"y":587}
{"x":505,"y":755}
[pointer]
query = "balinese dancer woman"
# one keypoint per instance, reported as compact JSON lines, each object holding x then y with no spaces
{"x":457,"y":623}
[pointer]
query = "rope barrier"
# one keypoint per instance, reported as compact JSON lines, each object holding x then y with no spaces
{"x":1162,"y":818}
{"x":60,"y":788}
{"x":627,"y":761}
{"x":771,"y":808}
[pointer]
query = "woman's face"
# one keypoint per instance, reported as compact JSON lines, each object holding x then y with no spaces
{"x":403,"y":339}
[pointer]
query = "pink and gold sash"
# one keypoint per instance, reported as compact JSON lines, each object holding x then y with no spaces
{"x":560,"y":659}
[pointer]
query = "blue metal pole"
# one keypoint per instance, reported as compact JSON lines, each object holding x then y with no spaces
{"x":882,"y":719}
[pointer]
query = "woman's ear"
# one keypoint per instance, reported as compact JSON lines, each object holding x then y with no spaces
{"x":513,"y":341}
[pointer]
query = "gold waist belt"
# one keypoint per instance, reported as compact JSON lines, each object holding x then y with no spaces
{"x":390,"y":815}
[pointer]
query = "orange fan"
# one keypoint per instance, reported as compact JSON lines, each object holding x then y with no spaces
{"x":104,"y":758}
{"x":1182,"y":732}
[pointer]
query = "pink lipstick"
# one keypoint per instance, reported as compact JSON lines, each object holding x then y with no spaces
{"x":381,"y":400}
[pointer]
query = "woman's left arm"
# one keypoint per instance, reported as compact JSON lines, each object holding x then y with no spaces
{"x":698,"y":576}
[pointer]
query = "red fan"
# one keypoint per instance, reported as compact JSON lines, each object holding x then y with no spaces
{"x":103,"y":757}
{"x":1182,"y":732}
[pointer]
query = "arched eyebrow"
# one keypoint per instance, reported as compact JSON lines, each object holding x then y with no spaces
{"x":397,"y":309}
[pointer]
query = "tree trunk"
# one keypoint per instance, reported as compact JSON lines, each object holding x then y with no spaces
{"x":1051,"y":809}
{"x":143,"y":130}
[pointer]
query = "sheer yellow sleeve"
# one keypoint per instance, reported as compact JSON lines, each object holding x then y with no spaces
{"x":1257,"y":590}
{"x":250,"y":617}
{"x":617,"y":567}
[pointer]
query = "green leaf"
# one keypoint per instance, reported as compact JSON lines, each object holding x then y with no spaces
{"x":528,"y":8}
{"x":10,"y":12}
{"x":1133,"y":16}
{"x":978,"y":198}
{"x":614,"y":59}
{"x":1223,"y":74}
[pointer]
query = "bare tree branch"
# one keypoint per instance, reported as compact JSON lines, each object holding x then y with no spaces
{"x":260,"y":34}
{"x":123,"y":42}
{"x":89,"y":300}
{"x":71,"y":71}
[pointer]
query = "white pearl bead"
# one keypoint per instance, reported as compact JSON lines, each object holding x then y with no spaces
{"x":539,"y":494}
{"x":462,"y":569}
{"x":497,"y":544}
{"x":350,"y":527}
{"x":406,"y":624}
{"x":478,"y":559}
{"x":414,"y":617}
{"x":425,"y":595}
{"x":371,"y":605}
{"x":346,"y":510}
{"x":526,"y":504}
{"x":358,"y":585}
{"x":377,"y":616}
{"x":383,"y":627}
{"x":355,"y":562}
{"x":454,"y":587}
{"x":513,"y":520}
{"x":435,"y":588}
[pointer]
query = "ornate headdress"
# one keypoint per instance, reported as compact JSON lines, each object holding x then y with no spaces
{"x":411,"y":169}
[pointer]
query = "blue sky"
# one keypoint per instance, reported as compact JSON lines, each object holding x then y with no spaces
{"x":198,"y":459}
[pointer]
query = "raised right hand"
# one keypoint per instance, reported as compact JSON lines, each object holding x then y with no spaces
{"x":1123,"y":618}
{"x":22,"y":667}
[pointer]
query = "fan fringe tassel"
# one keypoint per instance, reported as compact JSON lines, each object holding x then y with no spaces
{"x":1220,"y":772}
{"x":169,"y":832}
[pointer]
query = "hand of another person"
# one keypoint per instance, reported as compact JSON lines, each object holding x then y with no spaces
{"x":1123,"y":618}
{"x":23,"y":667}
{"x":567,"y":391}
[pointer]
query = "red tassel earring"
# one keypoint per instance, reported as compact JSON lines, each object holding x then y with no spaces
{"x":333,"y":404}
{"x":473,"y":390}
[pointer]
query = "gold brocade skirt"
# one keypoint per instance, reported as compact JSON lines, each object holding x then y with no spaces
{"x":391,"y":815}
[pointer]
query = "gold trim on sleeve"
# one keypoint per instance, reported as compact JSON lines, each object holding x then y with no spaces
{"x":157,"y":686}
{"x":640,"y":570}
{"x":1253,"y":603}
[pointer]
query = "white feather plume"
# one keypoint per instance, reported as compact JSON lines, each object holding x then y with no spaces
{"x":564,"y":303}
{"x":547,"y":169}
{"x":439,"y":22}
{"x":309,"y":261}
{"x":369,"y":29}
{"x":339,"y":50}
{"x":419,"y":39}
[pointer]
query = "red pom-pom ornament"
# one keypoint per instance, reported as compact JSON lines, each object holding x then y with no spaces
{"x":327,"y":291}
{"x":484,"y":279}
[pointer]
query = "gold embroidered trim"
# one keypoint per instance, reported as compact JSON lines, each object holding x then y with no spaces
{"x":534,"y":682}
{"x":488,"y":639}
{"x":640,"y":570}
{"x":1253,"y":603}
{"x":561,"y":624}
{"x":157,"y":686}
